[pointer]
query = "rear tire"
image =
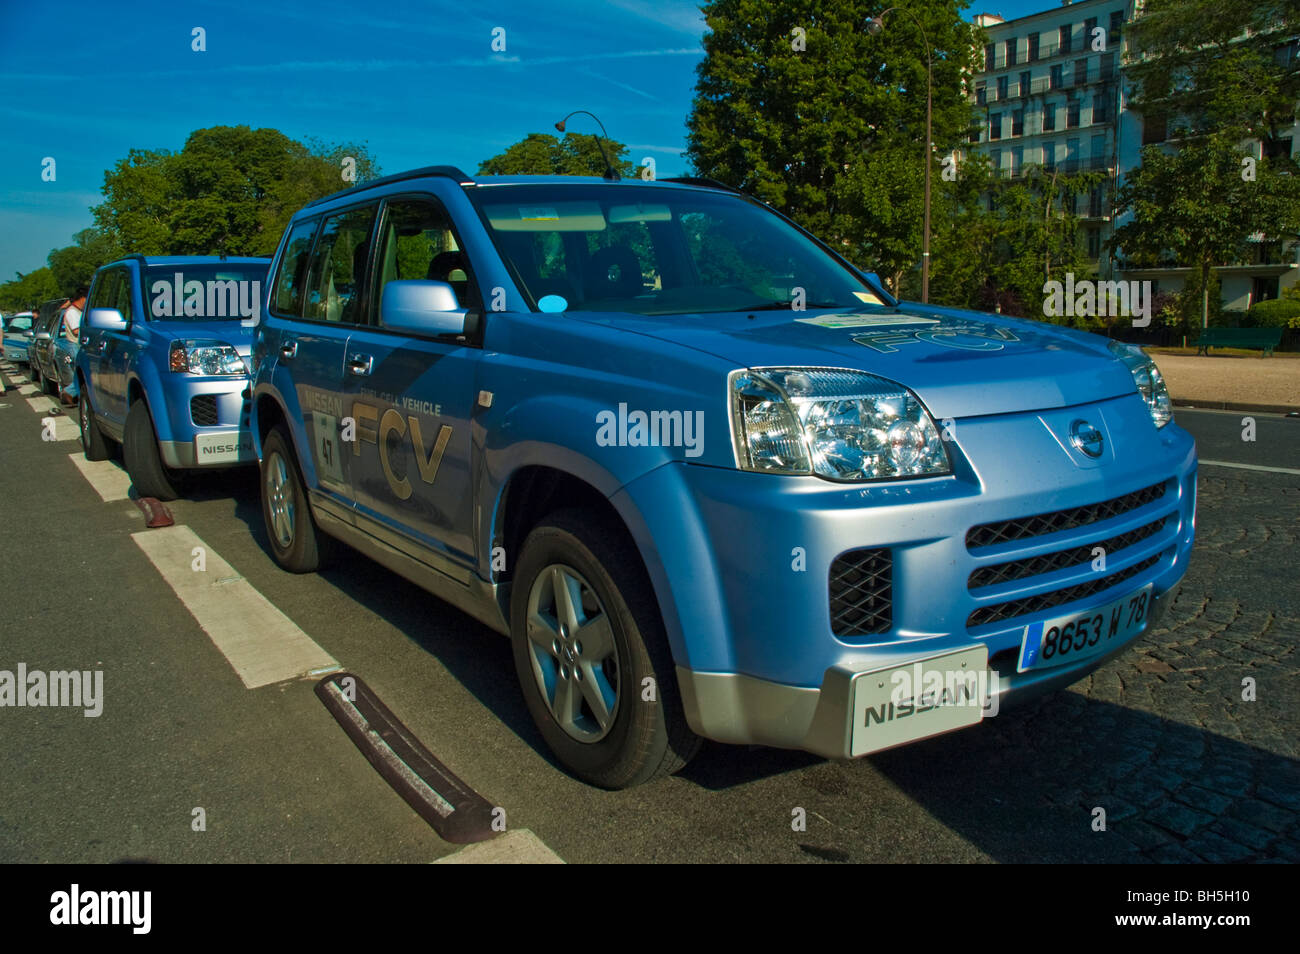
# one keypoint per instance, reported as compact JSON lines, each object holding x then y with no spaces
{"x":150,"y":476}
{"x":600,"y":685}
{"x":297,"y":544}
{"x":93,"y":444}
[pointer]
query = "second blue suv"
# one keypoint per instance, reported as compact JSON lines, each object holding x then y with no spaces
{"x":162,"y":367}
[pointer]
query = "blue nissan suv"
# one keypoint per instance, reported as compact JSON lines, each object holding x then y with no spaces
{"x":712,"y":480}
{"x":162,"y":365}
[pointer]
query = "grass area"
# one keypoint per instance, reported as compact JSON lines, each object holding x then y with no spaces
{"x":1224,"y":352}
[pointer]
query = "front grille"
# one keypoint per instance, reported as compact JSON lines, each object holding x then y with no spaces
{"x":988,"y":534}
{"x":861,"y":588}
{"x":203,"y":410}
{"x":1043,"y":601}
{"x":1062,"y":559}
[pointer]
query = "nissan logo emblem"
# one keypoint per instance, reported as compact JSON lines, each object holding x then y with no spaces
{"x":1086,"y":438}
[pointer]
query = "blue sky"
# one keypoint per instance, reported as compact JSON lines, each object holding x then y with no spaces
{"x":417,"y":82}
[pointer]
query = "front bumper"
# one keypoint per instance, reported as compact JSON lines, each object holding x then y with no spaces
{"x":742,"y":565}
{"x":208,"y":421}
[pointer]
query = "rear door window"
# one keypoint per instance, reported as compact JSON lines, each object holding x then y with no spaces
{"x":337,"y":273}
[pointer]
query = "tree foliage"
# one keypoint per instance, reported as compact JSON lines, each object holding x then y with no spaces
{"x":230,"y":189}
{"x":541,"y":154}
{"x":27,"y":291}
{"x":798,"y":104}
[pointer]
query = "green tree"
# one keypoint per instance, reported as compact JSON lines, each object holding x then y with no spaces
{"x":1214,"y":73}
{"x":798,"y":104}
{"x":74,"y":265}
{"x":27,"y":291}
{"x":541,"y":154}
{"x":230,"y":189}
{"x":1196,"y":206}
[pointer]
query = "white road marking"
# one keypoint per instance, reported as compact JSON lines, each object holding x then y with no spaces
{"x":262,"y":644}
{"x":109,"y":479}
{"x":26,"y":389}
{"x":1271,"y":470}
{"x":517,"y":847}
{"x":42,"y":403}
{"x":66,"y":429}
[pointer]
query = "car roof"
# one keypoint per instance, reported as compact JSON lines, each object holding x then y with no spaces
{"x":150,"y":261}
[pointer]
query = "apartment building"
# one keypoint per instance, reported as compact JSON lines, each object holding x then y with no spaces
{"x":1050,"y":95}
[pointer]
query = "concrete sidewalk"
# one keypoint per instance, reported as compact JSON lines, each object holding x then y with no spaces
{"x":1233,"y":381}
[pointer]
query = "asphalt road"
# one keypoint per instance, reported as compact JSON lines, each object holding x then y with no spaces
{"x":1160,"y":737}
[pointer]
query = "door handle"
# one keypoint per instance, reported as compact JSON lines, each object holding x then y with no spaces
{"x":289,"y":350}
{"x":360,"y":364}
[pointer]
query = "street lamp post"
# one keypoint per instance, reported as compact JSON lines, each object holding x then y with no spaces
{"x":874,"y":26}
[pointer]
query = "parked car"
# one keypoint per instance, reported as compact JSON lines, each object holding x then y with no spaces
{"x":47,"y":328}
{"x":18,"y":336}
{"x":65,"y":365}
{"x":162,"y":368}
{"x":710,"y":478}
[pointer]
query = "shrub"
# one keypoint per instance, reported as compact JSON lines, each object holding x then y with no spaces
{"x":1277,"y":313}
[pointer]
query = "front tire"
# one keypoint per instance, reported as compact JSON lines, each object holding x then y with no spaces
{"x":296,"y":543}
{"x":93,"y":444}
{"x":150,"y":476}
{"x":592,"y":657}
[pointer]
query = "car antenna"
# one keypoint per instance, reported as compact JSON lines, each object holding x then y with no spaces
{"x":610,"y":172}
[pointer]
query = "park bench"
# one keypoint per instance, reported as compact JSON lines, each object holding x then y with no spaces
{"x":1263,"y":339}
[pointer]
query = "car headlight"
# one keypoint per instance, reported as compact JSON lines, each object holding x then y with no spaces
{"x":1150,"y":382}
{"x":837,"y":424}
{"x":205,"y":357}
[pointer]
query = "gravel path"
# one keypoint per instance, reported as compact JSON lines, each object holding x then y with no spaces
{"x":1232,"y":379}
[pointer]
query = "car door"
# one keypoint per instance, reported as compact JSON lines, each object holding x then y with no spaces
{"x":119,"y":348}
{"x":103,"y":294}
{"x":412,"y":398}
{"x":323,"y":290}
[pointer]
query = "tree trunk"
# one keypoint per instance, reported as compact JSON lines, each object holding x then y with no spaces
{"x":1205,"y":296}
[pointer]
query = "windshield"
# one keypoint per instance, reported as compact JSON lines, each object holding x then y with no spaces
{"x":660,"y":251}
{"x":204,"y":292}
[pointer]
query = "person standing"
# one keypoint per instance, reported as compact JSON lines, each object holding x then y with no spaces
{"x":72,"y":316}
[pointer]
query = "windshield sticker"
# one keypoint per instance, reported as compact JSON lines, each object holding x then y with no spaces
{"x":535,"y":213}
{"x":866,"y":321}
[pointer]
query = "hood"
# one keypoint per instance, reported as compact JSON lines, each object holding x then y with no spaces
{"x":959,"y":363}
{"x":231,"y":331}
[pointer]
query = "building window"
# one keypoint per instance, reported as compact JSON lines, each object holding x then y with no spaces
{"x":1098,"y":152}
{"x":1058,"y":76}
{"x":975,"y":134}
{"x":1279,"y":148}
{"x":995,"y":161}
{"x":1116,"y":21}
{"x":1100,"y":111}
{"x":1033,"y":47}
{"x":1072,"y":156}
{"x":1153,"y":128}
{"x":1024,"y":83}
{"x":995,"y":126}
{"x":1072,"y":115}
{"x":1265,"y":289}
{"x":1107,"y":66}
{"x":990,"y":57}
{"x":1089,"y":38}
{"x":1094,"y":202}
{"x":1080,"y":72}
{"x":1017,"y":160}
{"x":1011,"y":51}
{"x":1018,"y":123}
{"x":1002,"y":88}
{"x":1065,"y":34}
{"x":1049,"y":117}
{"x":981,"y":94}
{"x":1094,"y":243}
{"x":1049,"y":156}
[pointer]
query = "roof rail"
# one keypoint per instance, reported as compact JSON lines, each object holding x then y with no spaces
{"x":448,"y":172}
{"x":701,"y":181}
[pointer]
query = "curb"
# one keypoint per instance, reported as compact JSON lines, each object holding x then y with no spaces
{"x":1288,"y":409}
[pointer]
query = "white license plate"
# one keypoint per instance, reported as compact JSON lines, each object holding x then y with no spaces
{"x":1067,"y":639}
{"x":226,"y":447}
{"x":918,"y":699}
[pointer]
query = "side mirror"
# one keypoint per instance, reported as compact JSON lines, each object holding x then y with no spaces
{"x":421,"y":307}
{"x":106,"y":319}
{"x":42,"y":336}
